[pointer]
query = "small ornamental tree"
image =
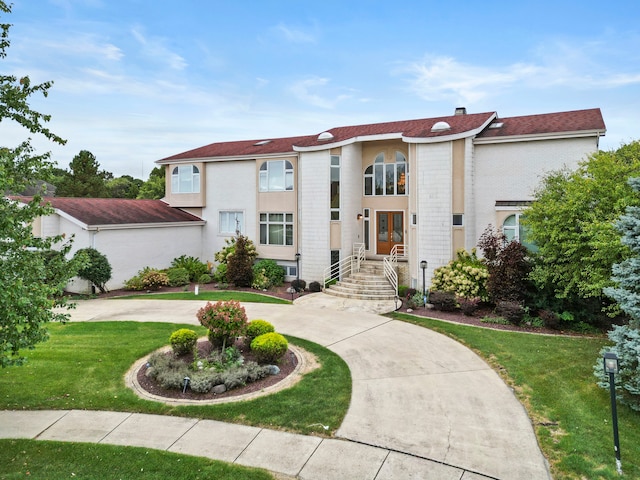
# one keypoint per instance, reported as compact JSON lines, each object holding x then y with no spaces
{"x":224,"y":320}
{"x":95,"y":267}
{"x":465,"y":277}
{"x":240,"y":264}
{"x":626,"y":338}
{"x":508,"y":265}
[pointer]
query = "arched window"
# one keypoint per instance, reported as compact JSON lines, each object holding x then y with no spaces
{"x":513,"y":229}
{"x":386,"y":178}
{"x":276,"y":176}
{"x":185,"y":179}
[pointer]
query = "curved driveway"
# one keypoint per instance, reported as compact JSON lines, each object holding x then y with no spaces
{"x":414,"y":391}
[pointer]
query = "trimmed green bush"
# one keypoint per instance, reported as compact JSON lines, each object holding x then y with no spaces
{"x":267,"y":274}
{"x":192,"y":265}
{"x":178,"y":276}
{"x":183,"y":340}
{"x":443,"y":301}
{"x":269,"y":347}
{"x":220,"y":275}
{"x":299,"y":285}
{"x":204,"y":279}
{"x":315,"y":287}
{"x":258,"y":327}
{"x":96,"y":268}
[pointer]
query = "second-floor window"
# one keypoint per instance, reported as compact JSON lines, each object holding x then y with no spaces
{"x":276,"y":176}
{"x":185,"y":179}
{"x":386,"y":178}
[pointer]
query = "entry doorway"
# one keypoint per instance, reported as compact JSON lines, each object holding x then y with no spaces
{"x":390,"y":231}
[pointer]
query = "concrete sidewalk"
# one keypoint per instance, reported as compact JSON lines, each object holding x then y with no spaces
{"x":423,"y":406}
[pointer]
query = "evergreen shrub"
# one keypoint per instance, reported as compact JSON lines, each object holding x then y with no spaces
{"x":177,"y":276}
{"x":258,"y":327}
{"x":269,"y":347}
{"x":183,"y":341}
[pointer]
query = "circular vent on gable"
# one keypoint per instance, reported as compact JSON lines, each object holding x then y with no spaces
{"x":440,"y":127}
{"x":325,"y":137}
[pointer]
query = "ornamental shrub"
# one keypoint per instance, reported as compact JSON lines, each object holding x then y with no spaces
{"x":269,"y":347}
{"x":240,"y":263}
{"x":220,"y":275}
{"x":183,"y":341}
{"x":508,"y":266}
{"x":204,"y":279}
{"x":315,"y":287}
{"x":229,"y":249}
{"x":464,"y":277}
{"x":510,"y":310}
{"x":299,"y":285}
{"x":96,"y":268}
{"x":267,"y":274}
{"x":178,"y":276}
{"x":192,"y":265}
{"x":443,"y":301}
{"x":224,"y":320}
{"x":154,"y":279}
{"x":257,"y":328}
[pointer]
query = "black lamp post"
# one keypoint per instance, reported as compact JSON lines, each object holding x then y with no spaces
{"x":297,"y":271}
{"x":423,"y":266}
{"x":611,"y":366}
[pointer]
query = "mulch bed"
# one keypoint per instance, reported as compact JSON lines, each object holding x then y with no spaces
{"x":287,"y":364}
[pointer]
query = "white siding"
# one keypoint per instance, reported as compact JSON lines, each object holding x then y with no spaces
{"x":434,"y":183}
{"x":511,"y":171}
{"x":351,"y":196}
{"x":314,"y":214}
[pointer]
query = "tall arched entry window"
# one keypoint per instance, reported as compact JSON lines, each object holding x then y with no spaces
{"x":386,"y":179}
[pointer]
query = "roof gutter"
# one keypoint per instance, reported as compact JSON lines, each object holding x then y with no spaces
{"x":541,"y":136}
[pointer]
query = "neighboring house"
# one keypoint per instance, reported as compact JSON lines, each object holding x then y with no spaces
{"x":424,"y":188}
{"x":131,"y":233}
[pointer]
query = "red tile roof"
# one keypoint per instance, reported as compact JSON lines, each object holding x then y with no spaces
{"x":575,"y":121}
{"x":562,"y":122}
{"x":118,"y":211}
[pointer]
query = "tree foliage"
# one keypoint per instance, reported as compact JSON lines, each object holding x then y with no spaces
{"x":95,"y":267}
{"x":240,"y":263}
{"x":124,"y":187}
{"x":508,"y":265}
{"x":84,"y":179}
{"x":32,"y":276}
{"x":153,"y":188}
{"x":572,"y":223}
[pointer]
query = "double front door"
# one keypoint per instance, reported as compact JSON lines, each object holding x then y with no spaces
{"x":390,"y":231}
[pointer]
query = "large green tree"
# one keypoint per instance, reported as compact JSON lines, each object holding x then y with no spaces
{"x":572,"y":223}
{"x":85,"y":179}
{"x":124,"y":187}
{"x":154,"y":187}
{"x":32,"y":274}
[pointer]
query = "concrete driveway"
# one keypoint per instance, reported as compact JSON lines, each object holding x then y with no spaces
{"x":415,"y":392}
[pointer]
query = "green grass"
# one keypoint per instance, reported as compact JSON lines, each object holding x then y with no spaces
{"x":83,"y":364}
{"x":553,"y":377}
{"x":51,"y":460}
{"x":224,"y":295}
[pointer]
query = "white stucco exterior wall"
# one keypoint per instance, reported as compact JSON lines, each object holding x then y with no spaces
{"x":314,"y":214}
{"x":231,"y":186}
{"x":512,"y":171}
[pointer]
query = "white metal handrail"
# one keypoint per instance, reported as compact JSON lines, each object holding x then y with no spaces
{"x":390,"y":264}
{"x":346,"y":266}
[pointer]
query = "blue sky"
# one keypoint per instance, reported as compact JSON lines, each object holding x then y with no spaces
{"x":140,"y":80}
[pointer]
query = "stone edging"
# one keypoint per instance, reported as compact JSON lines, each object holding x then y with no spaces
{"x":306,"y":363}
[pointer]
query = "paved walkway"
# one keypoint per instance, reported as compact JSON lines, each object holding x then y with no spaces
{"x":422,"y":407}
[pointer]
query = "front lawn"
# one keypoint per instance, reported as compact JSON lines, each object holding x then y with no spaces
{"x":82,"y":366}
{"x":553,"y":378}
{"x":40,"y":460}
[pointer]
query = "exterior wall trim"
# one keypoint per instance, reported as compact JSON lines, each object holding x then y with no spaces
{"x":540,"y":136}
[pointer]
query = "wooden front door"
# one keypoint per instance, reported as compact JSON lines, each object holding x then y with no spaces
{"x":390,"y":231}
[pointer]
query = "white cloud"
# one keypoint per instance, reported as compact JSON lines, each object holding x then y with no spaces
{"x":155,"y":49}
{"x":294,"y":35}
{"x":304,"y":91}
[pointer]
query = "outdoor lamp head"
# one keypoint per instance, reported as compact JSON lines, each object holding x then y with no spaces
{"x":610,"y":360}
{"x":297,"y":256}
{"x":423,"y":264}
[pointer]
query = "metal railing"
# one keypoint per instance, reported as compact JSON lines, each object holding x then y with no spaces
{"x":345,"y":267}
{"x":390,"y":264}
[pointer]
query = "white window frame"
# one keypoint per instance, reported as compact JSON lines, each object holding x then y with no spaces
{"x":227,"y":218}
{"x":187,"y":176}
{"x":381,"y":169}
{"x":276,"y":176}
{"x":335,"y":168}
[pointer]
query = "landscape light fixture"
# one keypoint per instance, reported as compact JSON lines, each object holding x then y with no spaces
{"x":611,"y":367}
{"x":297,"y":270}
{"x":423,"y":266}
